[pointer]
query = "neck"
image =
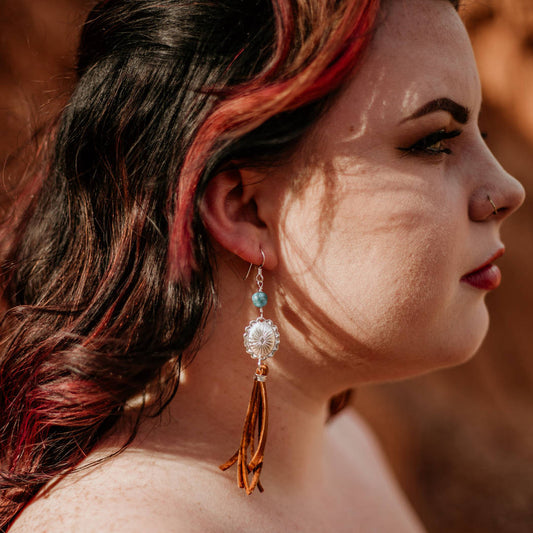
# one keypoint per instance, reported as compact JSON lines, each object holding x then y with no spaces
{"x":206,"y":417}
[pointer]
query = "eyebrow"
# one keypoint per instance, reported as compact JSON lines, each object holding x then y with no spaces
{"x":460,"y":113}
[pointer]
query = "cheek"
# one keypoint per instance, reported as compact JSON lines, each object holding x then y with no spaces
{"x":403,"y":274}
{"x":383,"y":267}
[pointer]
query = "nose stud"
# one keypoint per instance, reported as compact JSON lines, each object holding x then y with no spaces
{"x":494,"y":208}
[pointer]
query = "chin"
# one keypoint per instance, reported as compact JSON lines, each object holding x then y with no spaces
{"x":451,"y":347}
{"x":462,"y":342}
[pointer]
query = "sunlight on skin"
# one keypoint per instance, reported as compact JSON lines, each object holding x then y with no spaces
{"x":394,"y":233}
{"x":371,"y":229}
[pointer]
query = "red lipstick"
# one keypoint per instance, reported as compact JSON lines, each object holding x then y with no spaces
{"x":486,"y":277}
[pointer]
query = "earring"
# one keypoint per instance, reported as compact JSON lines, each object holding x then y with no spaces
{"x":261,"y":341}
{"x":493,"y":205}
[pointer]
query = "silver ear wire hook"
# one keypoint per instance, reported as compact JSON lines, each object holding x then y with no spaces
{"x":248,"y":273}
{"x":251,"y":265}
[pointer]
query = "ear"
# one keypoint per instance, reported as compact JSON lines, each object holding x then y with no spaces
{"x":230,"y":213}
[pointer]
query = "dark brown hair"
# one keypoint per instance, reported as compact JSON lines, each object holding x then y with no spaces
{"x":109,"y":278}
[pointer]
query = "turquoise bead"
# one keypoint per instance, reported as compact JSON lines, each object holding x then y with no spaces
{"x":259,"y":299}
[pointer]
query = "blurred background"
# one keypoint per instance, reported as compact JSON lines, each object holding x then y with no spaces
{"x":461,"y":440}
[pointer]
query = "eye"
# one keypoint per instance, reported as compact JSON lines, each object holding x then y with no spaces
{"x":432,"y":144}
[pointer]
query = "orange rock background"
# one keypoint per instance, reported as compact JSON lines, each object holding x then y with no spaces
{"x":38,"y":40}
{"x":460,"y":441}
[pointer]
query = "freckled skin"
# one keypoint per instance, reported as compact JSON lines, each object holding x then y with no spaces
{"x":380,"y":238}
{"x":368,"y":245}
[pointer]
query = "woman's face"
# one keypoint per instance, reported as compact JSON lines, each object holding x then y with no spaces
{"x":391,"y":208}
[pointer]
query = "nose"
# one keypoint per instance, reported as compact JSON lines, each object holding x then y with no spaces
{"x":496,"y":196}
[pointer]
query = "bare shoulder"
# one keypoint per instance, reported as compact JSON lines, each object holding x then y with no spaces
{"x":349,"y":430}
{"x":360,"y":462}
{"x":125,"y":494}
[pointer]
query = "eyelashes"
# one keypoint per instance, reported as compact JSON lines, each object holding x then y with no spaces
{"x":432,"y":144}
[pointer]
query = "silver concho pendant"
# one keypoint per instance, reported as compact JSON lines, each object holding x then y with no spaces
{"x":261,"y":338}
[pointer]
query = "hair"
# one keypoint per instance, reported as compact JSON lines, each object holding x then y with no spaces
{"x":109,"y":276}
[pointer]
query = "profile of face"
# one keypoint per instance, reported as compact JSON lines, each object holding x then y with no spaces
{"x":390,"y":204}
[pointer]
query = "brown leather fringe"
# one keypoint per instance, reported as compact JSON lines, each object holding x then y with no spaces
{"x":256,"y":422}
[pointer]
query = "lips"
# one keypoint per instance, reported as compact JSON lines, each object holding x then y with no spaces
{"x":487,"y":276}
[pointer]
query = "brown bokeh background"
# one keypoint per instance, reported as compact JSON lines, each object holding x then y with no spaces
{"x":461,"y":440}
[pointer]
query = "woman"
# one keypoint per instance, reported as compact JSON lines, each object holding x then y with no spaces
{"x":331,"y":146}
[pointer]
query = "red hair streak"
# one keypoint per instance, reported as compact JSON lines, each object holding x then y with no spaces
{"x":313,"y":76}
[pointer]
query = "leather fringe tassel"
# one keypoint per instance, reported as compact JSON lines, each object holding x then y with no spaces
{"x":255,"y":423}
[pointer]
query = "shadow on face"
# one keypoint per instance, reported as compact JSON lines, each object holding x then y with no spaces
{"x":385,"y":208}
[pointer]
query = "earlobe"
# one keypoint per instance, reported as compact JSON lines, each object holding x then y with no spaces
{"x":229,"y":211}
